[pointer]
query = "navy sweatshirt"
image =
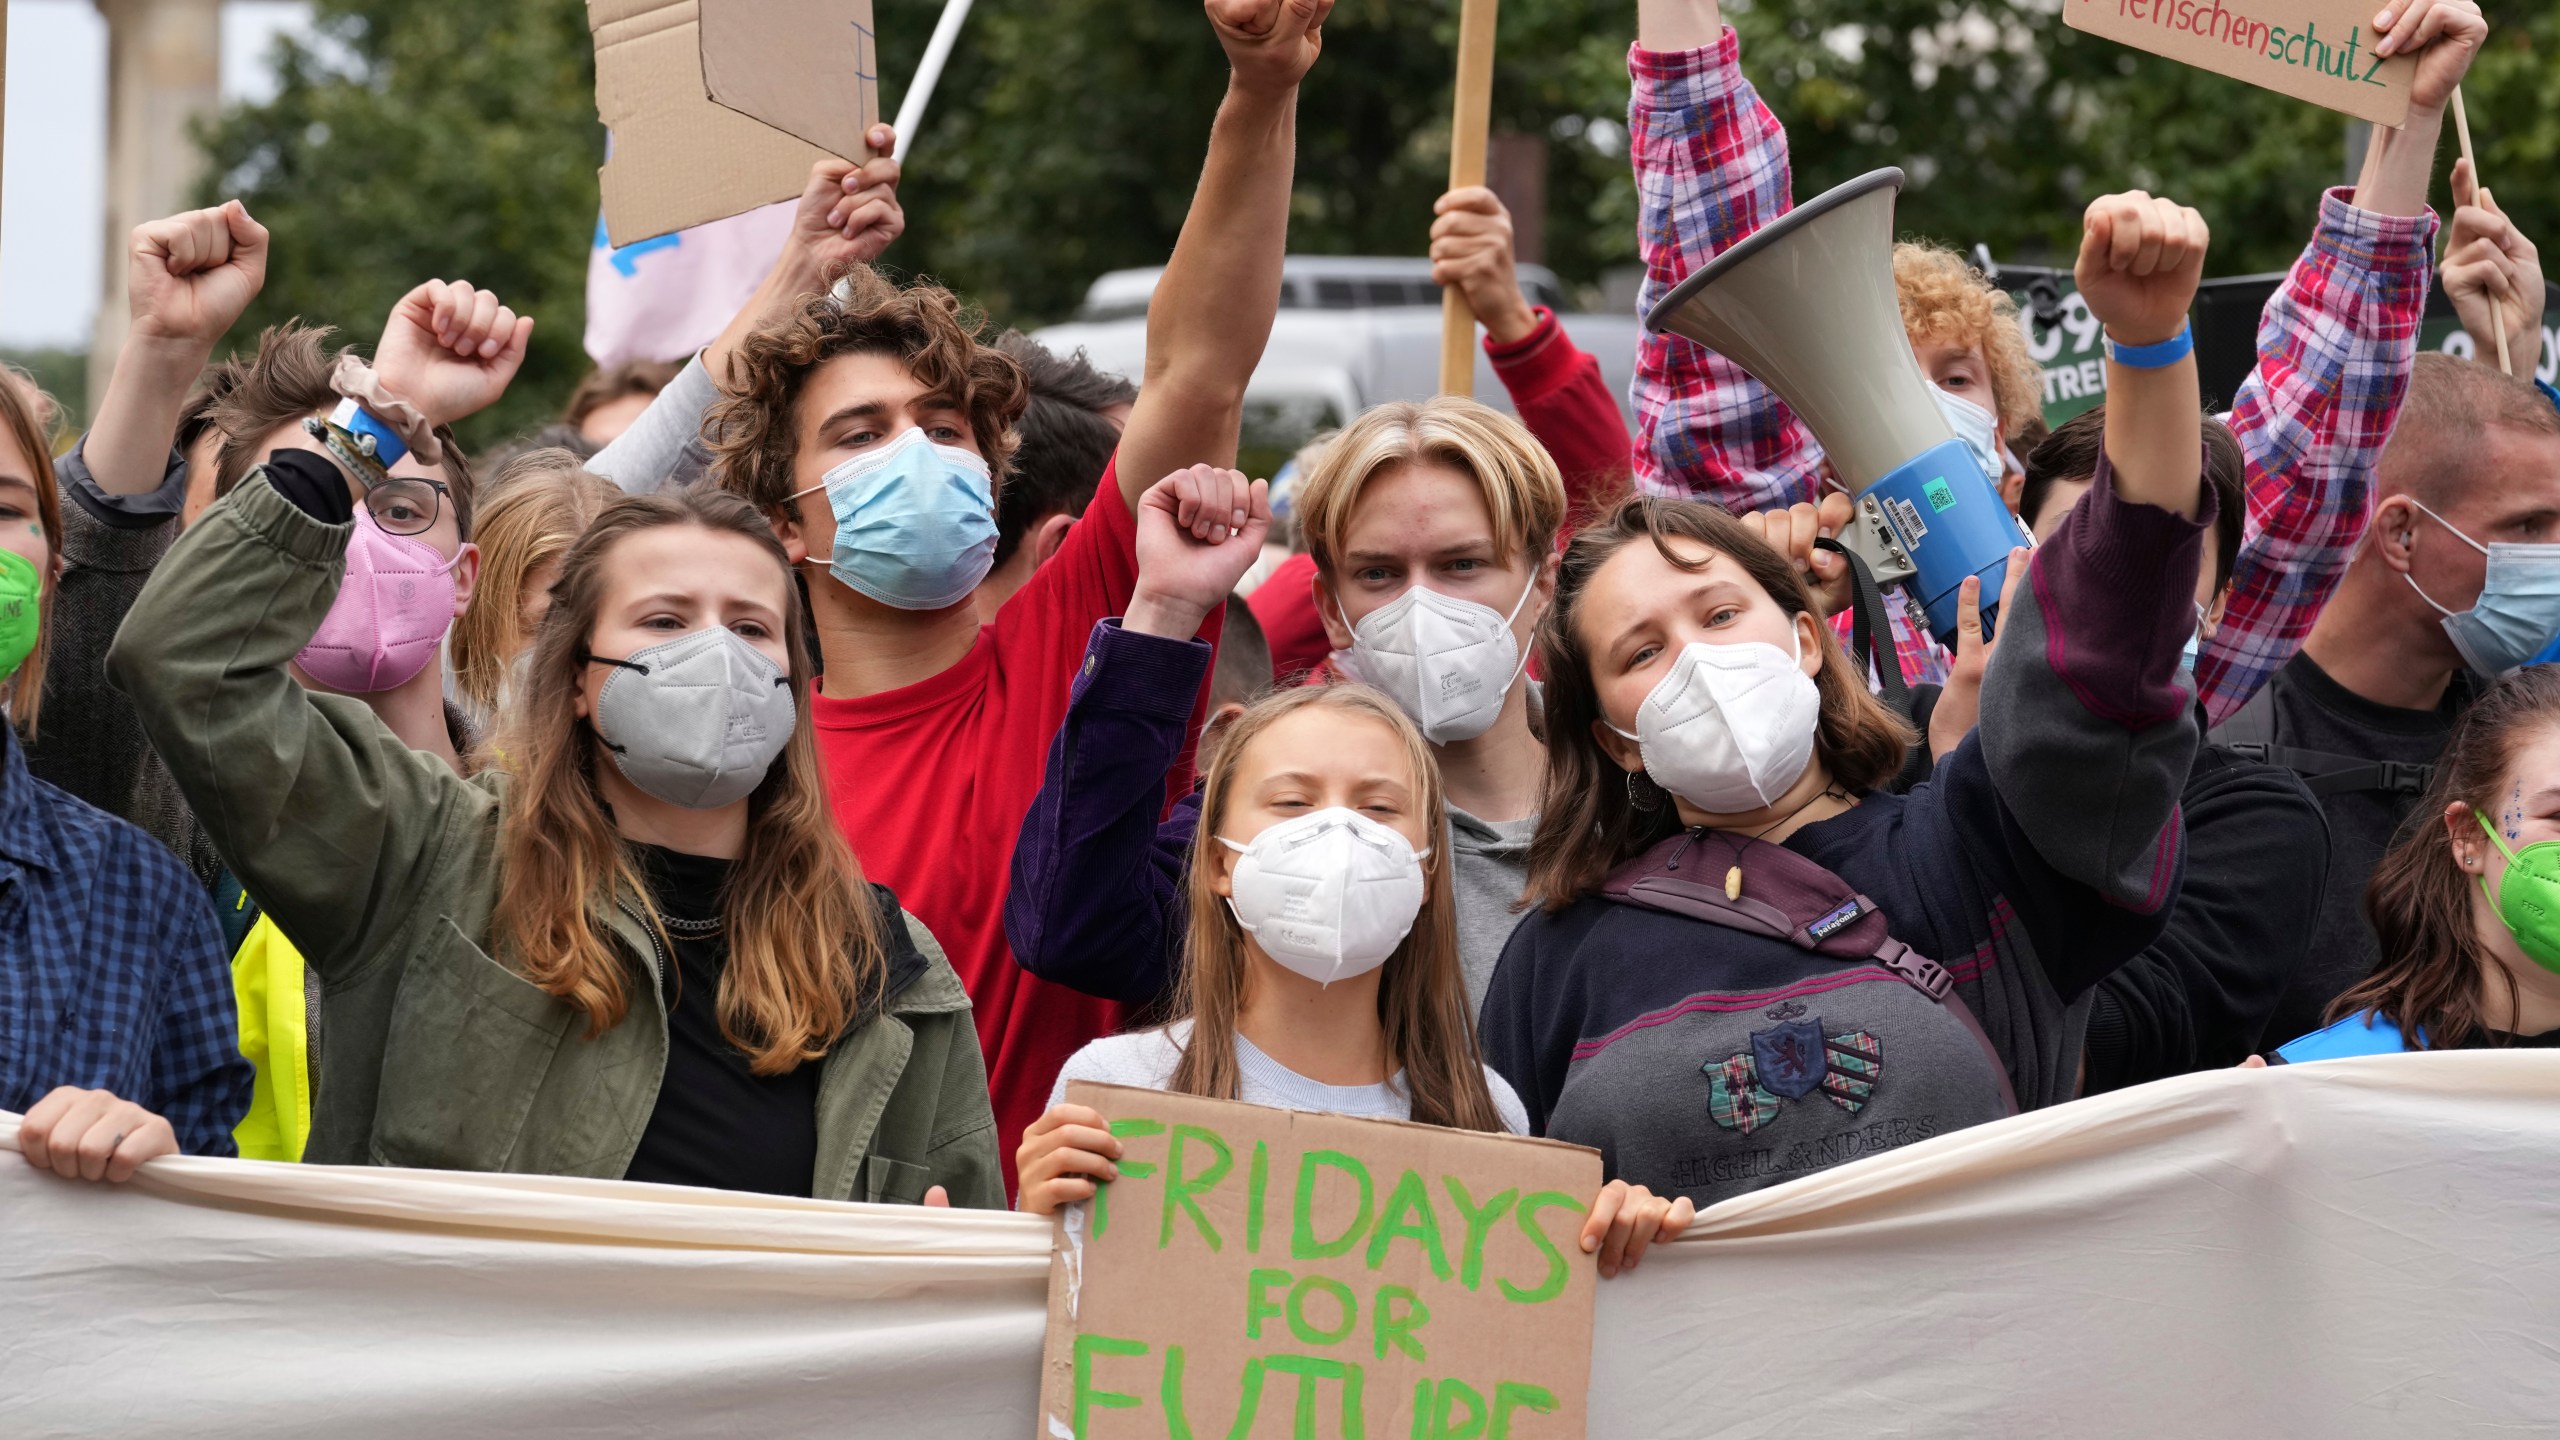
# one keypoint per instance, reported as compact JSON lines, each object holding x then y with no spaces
{"x":1098,"y":898}
{"x":2044,"y":852}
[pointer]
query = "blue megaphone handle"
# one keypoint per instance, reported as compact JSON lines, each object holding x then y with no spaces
{"x":2548,"y":653}
{"x":1951,"y":522}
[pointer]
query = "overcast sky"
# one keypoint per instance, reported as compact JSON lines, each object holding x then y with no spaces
{"x":53,"y":178}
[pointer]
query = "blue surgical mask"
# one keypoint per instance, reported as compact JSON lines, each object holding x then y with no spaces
{"x":1976,"y":427}
{"x":2518,"y":611}
{"x":915,"y":522}
{"x":2195,"y":643}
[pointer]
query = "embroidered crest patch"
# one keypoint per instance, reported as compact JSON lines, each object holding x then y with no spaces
{"x":1790,"y":1058}
{"x":1788,"y":1062}
{"x":1735,"y":1099}
{"x":1856,"y":1059}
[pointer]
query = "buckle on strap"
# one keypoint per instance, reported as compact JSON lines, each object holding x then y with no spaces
{"x":1925,"y":975}
{"x":2403,"y":778}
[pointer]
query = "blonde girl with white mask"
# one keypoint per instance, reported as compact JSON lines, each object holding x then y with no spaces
{"x":1321,"y":966}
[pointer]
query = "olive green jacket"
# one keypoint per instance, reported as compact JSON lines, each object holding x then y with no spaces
{"x":383,"y":866}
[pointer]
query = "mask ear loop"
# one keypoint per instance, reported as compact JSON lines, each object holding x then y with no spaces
{"x":1522,"y":668}
{"x":2495,"y":839}
{"x":2421,"y":507}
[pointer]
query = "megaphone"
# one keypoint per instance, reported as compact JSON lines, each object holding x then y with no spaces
{"x":1807,"y":304}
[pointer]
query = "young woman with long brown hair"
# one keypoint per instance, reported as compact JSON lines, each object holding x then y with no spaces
{"x":2468,"y":907}
{"x":1752,"y":962}
{"x":1321,"y":970}
{"x":637,"y":947}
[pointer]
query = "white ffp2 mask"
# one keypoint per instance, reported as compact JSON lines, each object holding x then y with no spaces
{"x":1447,"y":662}
{"x":1330,"y":895}
{"x":1731,"y":727}
{"x":1978,"y":428}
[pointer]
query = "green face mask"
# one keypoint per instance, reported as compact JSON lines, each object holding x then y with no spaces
{"x":21,"y":610}
{"x":2528,"y":899}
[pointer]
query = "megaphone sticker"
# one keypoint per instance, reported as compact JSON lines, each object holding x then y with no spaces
{"x":1942,"y":496}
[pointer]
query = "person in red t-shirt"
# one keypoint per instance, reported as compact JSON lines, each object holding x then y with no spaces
{"x":875,"y":427}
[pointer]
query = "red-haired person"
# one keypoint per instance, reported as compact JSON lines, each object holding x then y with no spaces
{"x":1750,"y":959}
{"x":2334,"y":343}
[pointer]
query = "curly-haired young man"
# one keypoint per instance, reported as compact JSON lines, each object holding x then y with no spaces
{"x":877,"y":428}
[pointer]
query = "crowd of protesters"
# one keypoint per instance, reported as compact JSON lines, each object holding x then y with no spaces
{"x":793,"y":767}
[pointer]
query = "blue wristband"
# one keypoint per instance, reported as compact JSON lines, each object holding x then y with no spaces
{"x":2154,"y":357}
{"x":353,"y":418}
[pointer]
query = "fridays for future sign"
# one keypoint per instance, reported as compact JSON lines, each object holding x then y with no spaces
{"x":2315,"y":50}
{"x":1259,"y":1272}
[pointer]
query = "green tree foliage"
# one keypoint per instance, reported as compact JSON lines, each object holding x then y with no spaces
{"x":2009,"y":123}
{"x":1067,"y":134}
{"x":454,"y":140}
{"x":459,"y":139}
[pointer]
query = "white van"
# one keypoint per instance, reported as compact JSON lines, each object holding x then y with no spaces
{"x":1352,"y":331}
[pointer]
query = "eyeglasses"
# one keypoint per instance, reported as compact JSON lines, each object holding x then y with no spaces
{"x":403,"y":506}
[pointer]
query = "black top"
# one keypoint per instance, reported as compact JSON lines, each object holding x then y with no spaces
{"x":2315,"y":712}
{"x":2547,"y":1040}
{"x":716,"y":1124}
{"x":2198,"y":997}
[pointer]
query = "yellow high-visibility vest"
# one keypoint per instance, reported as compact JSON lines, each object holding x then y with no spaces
{"x":275,"y":1036}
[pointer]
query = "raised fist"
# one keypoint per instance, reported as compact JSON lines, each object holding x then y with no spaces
{"x":2140,"y":259}
{"x":1199,"y":530}
{"x":189,"y":277}
{"x":1270,"y":44}
{"x":450,"y":349}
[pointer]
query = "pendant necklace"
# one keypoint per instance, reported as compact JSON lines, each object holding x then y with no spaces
{"x":1733,"y":877}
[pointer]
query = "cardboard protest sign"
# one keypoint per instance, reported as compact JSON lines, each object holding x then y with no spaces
{"x":2315,"y":50}
{"x":809,"y":68}
{"x":1269,"y":1272}
{"x":677,"y":159}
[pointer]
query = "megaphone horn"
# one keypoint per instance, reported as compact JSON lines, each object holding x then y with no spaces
{"x":1807,"y":304}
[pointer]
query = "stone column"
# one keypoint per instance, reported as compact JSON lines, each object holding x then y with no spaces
{"x":164,"y":73}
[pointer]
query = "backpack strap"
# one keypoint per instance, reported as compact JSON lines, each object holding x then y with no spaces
{"x":1792,"y":899}
{"x":2250,"y":733}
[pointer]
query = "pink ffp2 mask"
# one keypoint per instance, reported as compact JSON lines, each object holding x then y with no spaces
{"x":391,"y":612}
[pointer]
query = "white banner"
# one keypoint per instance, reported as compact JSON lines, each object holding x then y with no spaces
{"x":2353,"y":1248}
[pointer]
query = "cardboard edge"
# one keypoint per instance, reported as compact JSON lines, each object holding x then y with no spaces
{"x":1436,"y":1131}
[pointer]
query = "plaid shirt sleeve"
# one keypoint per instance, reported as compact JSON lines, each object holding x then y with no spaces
{"x":2335,"y":346}
{"x":198,"y":1081}
{"x":1711,"y":168}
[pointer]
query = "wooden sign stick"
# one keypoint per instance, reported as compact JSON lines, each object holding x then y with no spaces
{"x":1469,"y":121}
{"x":2497,"y":308}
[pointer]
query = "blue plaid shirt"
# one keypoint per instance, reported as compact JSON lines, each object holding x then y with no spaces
{"x":112,"y":972}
